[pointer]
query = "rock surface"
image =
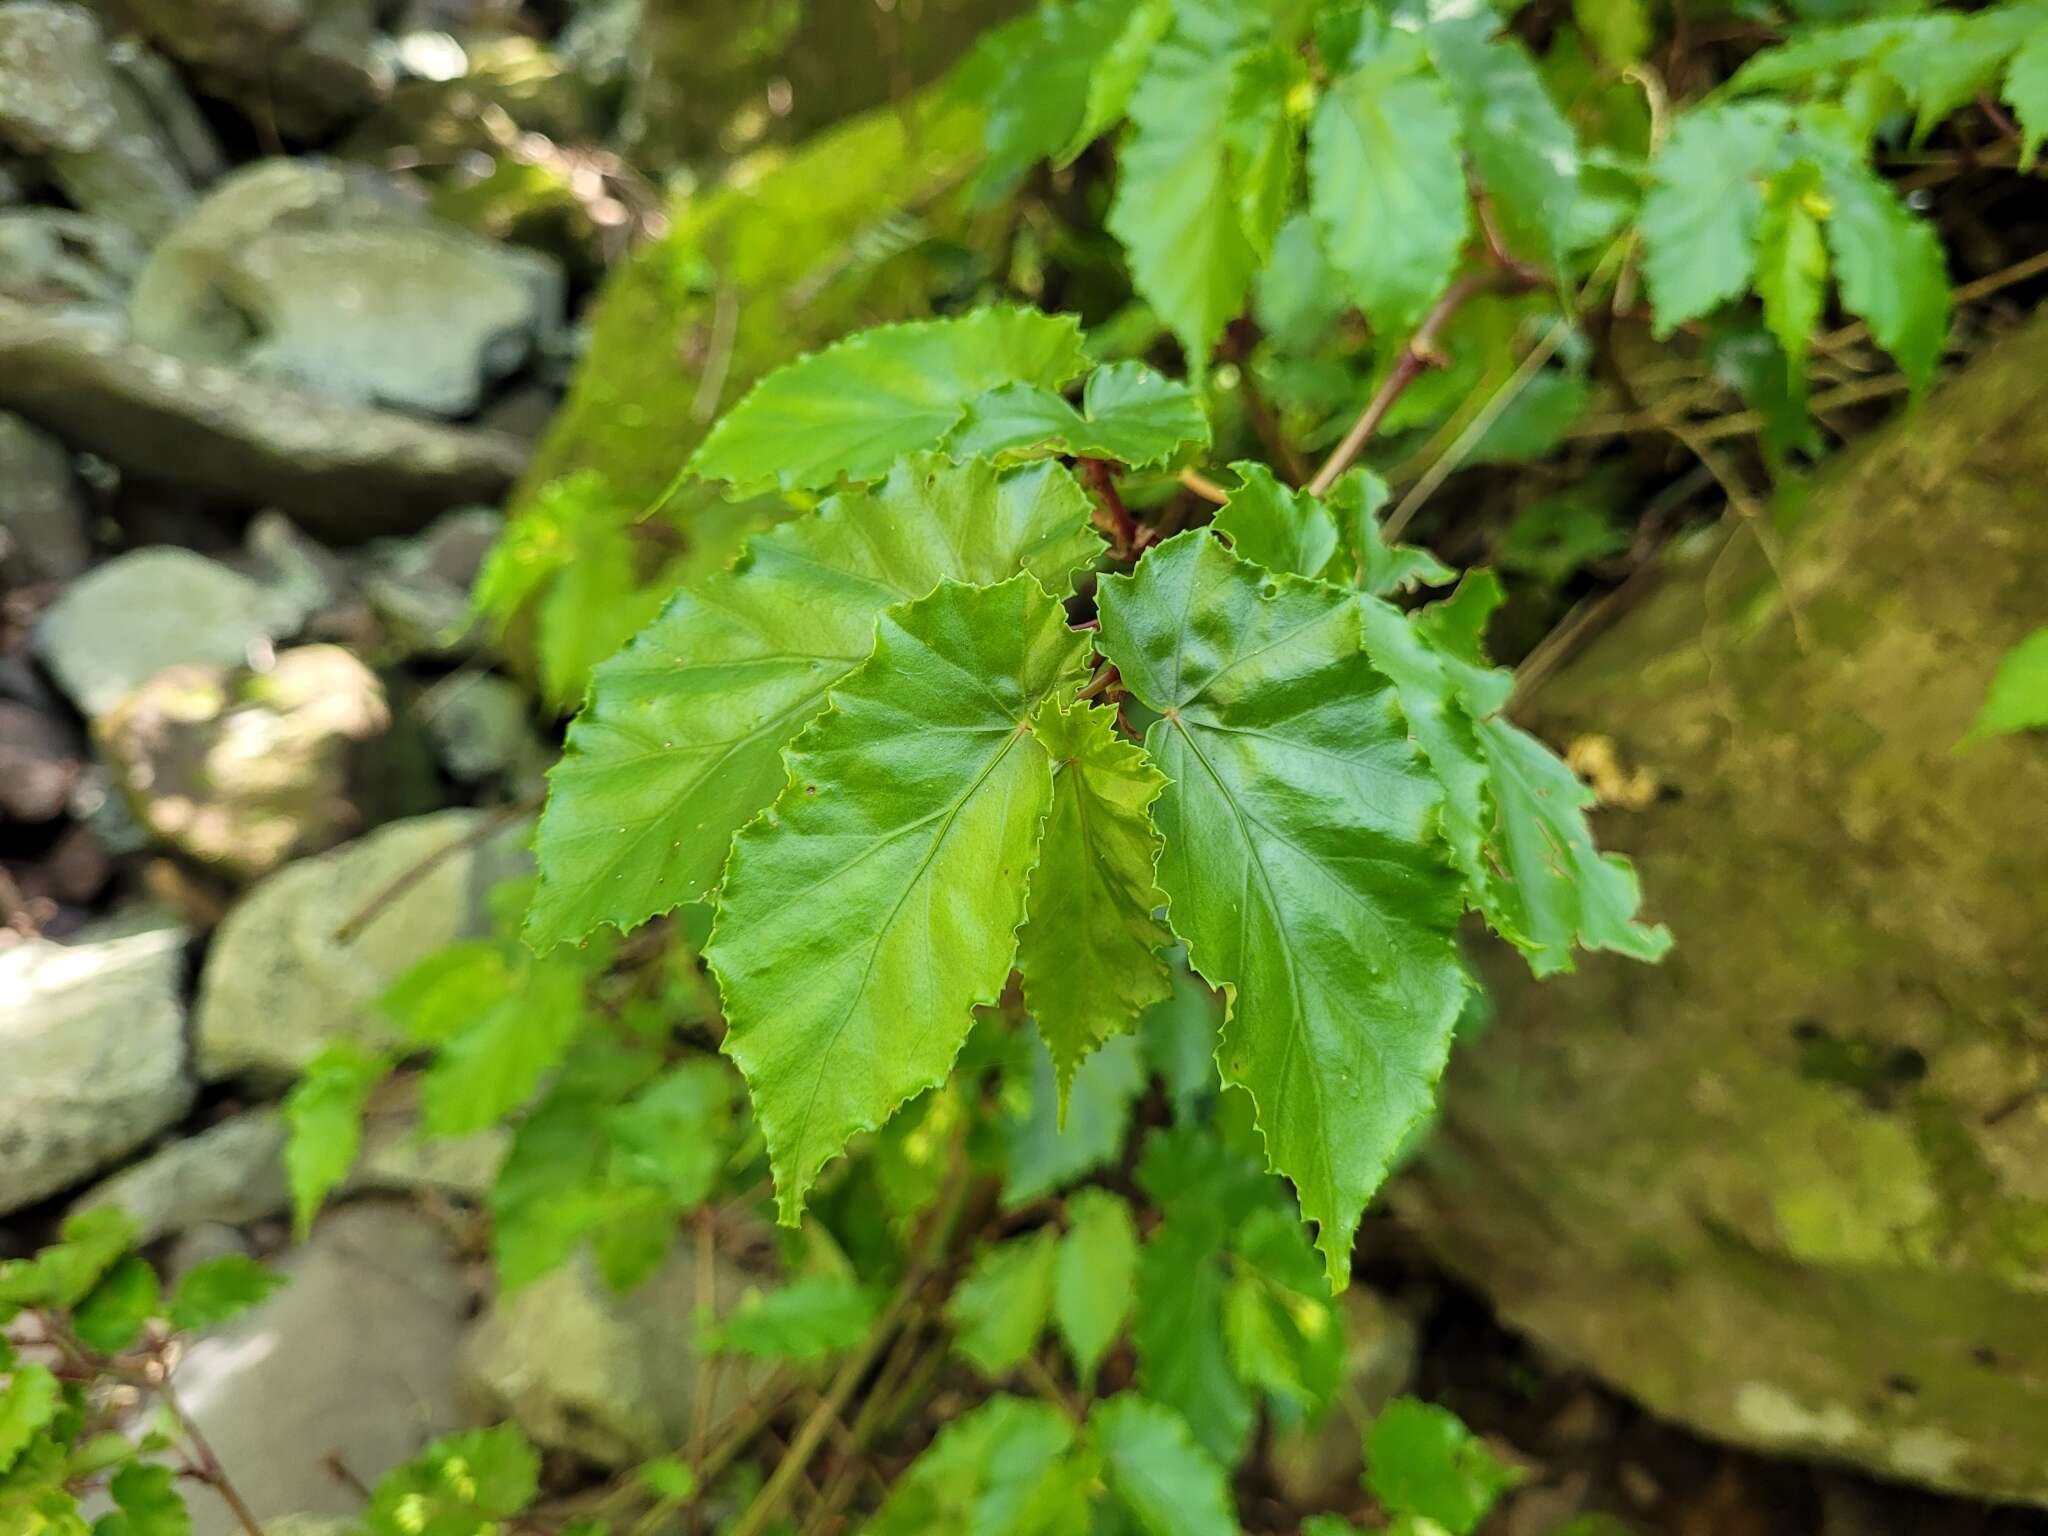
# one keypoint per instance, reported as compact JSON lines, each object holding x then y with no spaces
{"x":39,"y":764}
{"x":419,"y":587}
{"x":54,"y":256}
{"x":42,"y":512}
{"x":607,"y":1377}
{"x":141,"y":612}
{"x":298,"y":67}
{"x":230,"y":1173}
{"x":282,"y":979}
{"x":92,"y":1040}
{"x":244,"y":769}
{"x":346,"y":472}
{"x":355,"y":1357}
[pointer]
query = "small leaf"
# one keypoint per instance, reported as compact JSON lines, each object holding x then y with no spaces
{"x":1170,"y":1485}
{"x":1068,"y":1135}
{"x":1089,"y":949}
{"x":1377,"y":567}
{"x":1000,"y":1308}
{"x":460,"y":1485}
{"x":1177,"y":1330}
{"x":2018,"y":697}
{"x":1420,"y":1460}
{"x":1792,"y":261}
{"x":1000,"y":1470}
{"x":323,"y":1117}
{"x":63,"y":1274}
{"x":492,"y":1066}
{"x":1386,"y":184}
{"x":853,"y":409}
{"x":1117,"y":73}
{"x":149,"y":1502}
{"x":1094,"y":1281}
{"x":918,"y":800}
{"x":1129,"y":415}
{"x":1034,"y":78}
{"x":1891,"y":267}
{"x":1699,"y":220}
{"x":2026,"y":92}
{"x":669,"y":1479}
{"x":673,"y":1134}
{"x":112,"y":1317}
{"x":216,"y":1290}
{"x":1619,"y":30}
{"x":1275,"y":526}
{"x":28,"y":1402}
{"x":808,"y":1319}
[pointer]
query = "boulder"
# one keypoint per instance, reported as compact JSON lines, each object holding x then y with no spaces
{"x":482,"y":729}
{"x":355,"y":1358}
{"x":1790,"y":1187}
{"x":297,"y":964}
{"x":140,"y":612}
{"x":93,"y":1041}
{"x":326,"y":277}
{"x":419,"y":587}
{"x":242,"y":769}
{"x":42,"y":513}
{"x":230,"y":1173}
{"x":606,"y":1377}
{"x":61,"y":99}
{"x":55,"y":257}
{"x":345,"y":472}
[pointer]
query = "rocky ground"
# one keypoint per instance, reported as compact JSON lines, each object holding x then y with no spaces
{"x":288,"y":289}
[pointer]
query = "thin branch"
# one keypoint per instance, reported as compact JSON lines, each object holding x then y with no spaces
{"x":1204,"y":487}
{"x":209,"y":1464}
{"x":1122,"y":527}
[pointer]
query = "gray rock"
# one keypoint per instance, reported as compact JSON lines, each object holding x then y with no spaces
{"x":59,"y":97}
{"x":396,"y":1159}
{"x":40,"y":764}
{"x":355,"y":1357}
{"x":481,"y":726}
{"x":297,"y":67}
{"x":93,"y":1038}
{"x":324,"y":276}
{"x":606,"y":1377}
{"x":305,"y":578}
{"x":152,"y":608}
{"x":284,"y":978}
{"x":343,"y":472}
{"x":50,"y":256}
{"x":42,"y":513}
{"x":230,"y":1173}
{"x":420,"y":587}
{"x":150,"y":76}
{"x":242,"y":769}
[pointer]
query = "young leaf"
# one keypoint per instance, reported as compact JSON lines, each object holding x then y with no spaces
{"x":148,"y":1504}
{"x":808,"y":1319}
{"x":63,"y":1274}
{"x":2026,"y":92}
{"x":877,"y":903}
{"x":29,"y":1400}
{"x":1117,"y":73}
{"x":1386,"y":183}
{"x":216,"y":1290}
{"x":1302,"y":862}
{"x":1129,"y":414}
{"x":1089,"y":950}
{"x":460,"y":1485}
{"x":1001,"y":1470}
{"x":1001,"y":1308}
{"x":1177,"y":1331}
{"x":493,"y":1066}
{"x":1034,"y":77}
{"x":1175,"y":211}
{"x":853,"y":409}
{"x":2017,"y":699}
{"x":1169,"y":1484}
{"x":1377,"y":567}
{"x":323,"y":1117}
{"x":672,"y":1135}
{"x":1792,"y":261}
{"x":1699,"y":220}
{"x":1095,"y":1278}
{"x":1890,"y":265}
{"x":1420,"y":1460}
{"x":1273,"y":525}
{"x":1071,"y":1132}
{"x":111,"y":1318}
{"x":680,"y":743}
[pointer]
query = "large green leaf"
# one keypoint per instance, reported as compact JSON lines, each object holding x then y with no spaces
{"x":1303,"y":864}
{"x":1168,"y":1482}
{"x":811,"y":1317}
{"x":680,"y":743}
{"x":1386,"y":182}
{"x":1089,"y":953}
{"x":854,"y":408}
{"x":1699,"y":219}
{"x":875,"y":906}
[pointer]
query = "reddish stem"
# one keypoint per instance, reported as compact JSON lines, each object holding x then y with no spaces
{"x":1123,"y":528}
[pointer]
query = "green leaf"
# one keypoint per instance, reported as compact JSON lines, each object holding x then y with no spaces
{"x":1699,"y":220}
{"x":323,"y":1118}
{"x":1265,"y":142}
{"x":2026,"y":92}
{"x":1129,"y":414}
{"x":1089,"y":949}
{"x":493,"y":1066}
{"x":111,"y":1318}
{"x":1525,"y":153}
{"x":1177,"y":1331}
{"x":149,"y":1504}
{"x":674,"y":1135}
{"x":853,"y":409}
{"x":1386,"y":183}
{"x":1420,"y":1460}
{"x":1619,"y":30}
{"x":1067,"y":1136}
{"x":1095,"y":1278}
{"x":1272,"y":525}
{"x":1170,"y":1485}
{"x":808,"y":1319}
{"x":1034,"y":79}
{"x":460,"y":1485}
{"x":216,"y":1290}
{"x":1302,"y":862}
{"x":28,"y":1402}
{"x":2017,"y":699}
{"x":876,"y":905}
{"x":669,"y":1479}
{"x":1117,"y":73}
{"x":1377,"y":567}
{"x":1000,"y":1308}
{"x":1175,"y":210}
{"x":680,"y":743}
{"x":63,"y":1274}
{"x":1890,"y":265}
{"x":1792,"y":261}
{"x":1000,"y":1470}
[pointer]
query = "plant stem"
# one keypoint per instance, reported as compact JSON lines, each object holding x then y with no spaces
{"x":1203,"y":486}
{"x":1123,"y":528}
{"x":210,"y":1467}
